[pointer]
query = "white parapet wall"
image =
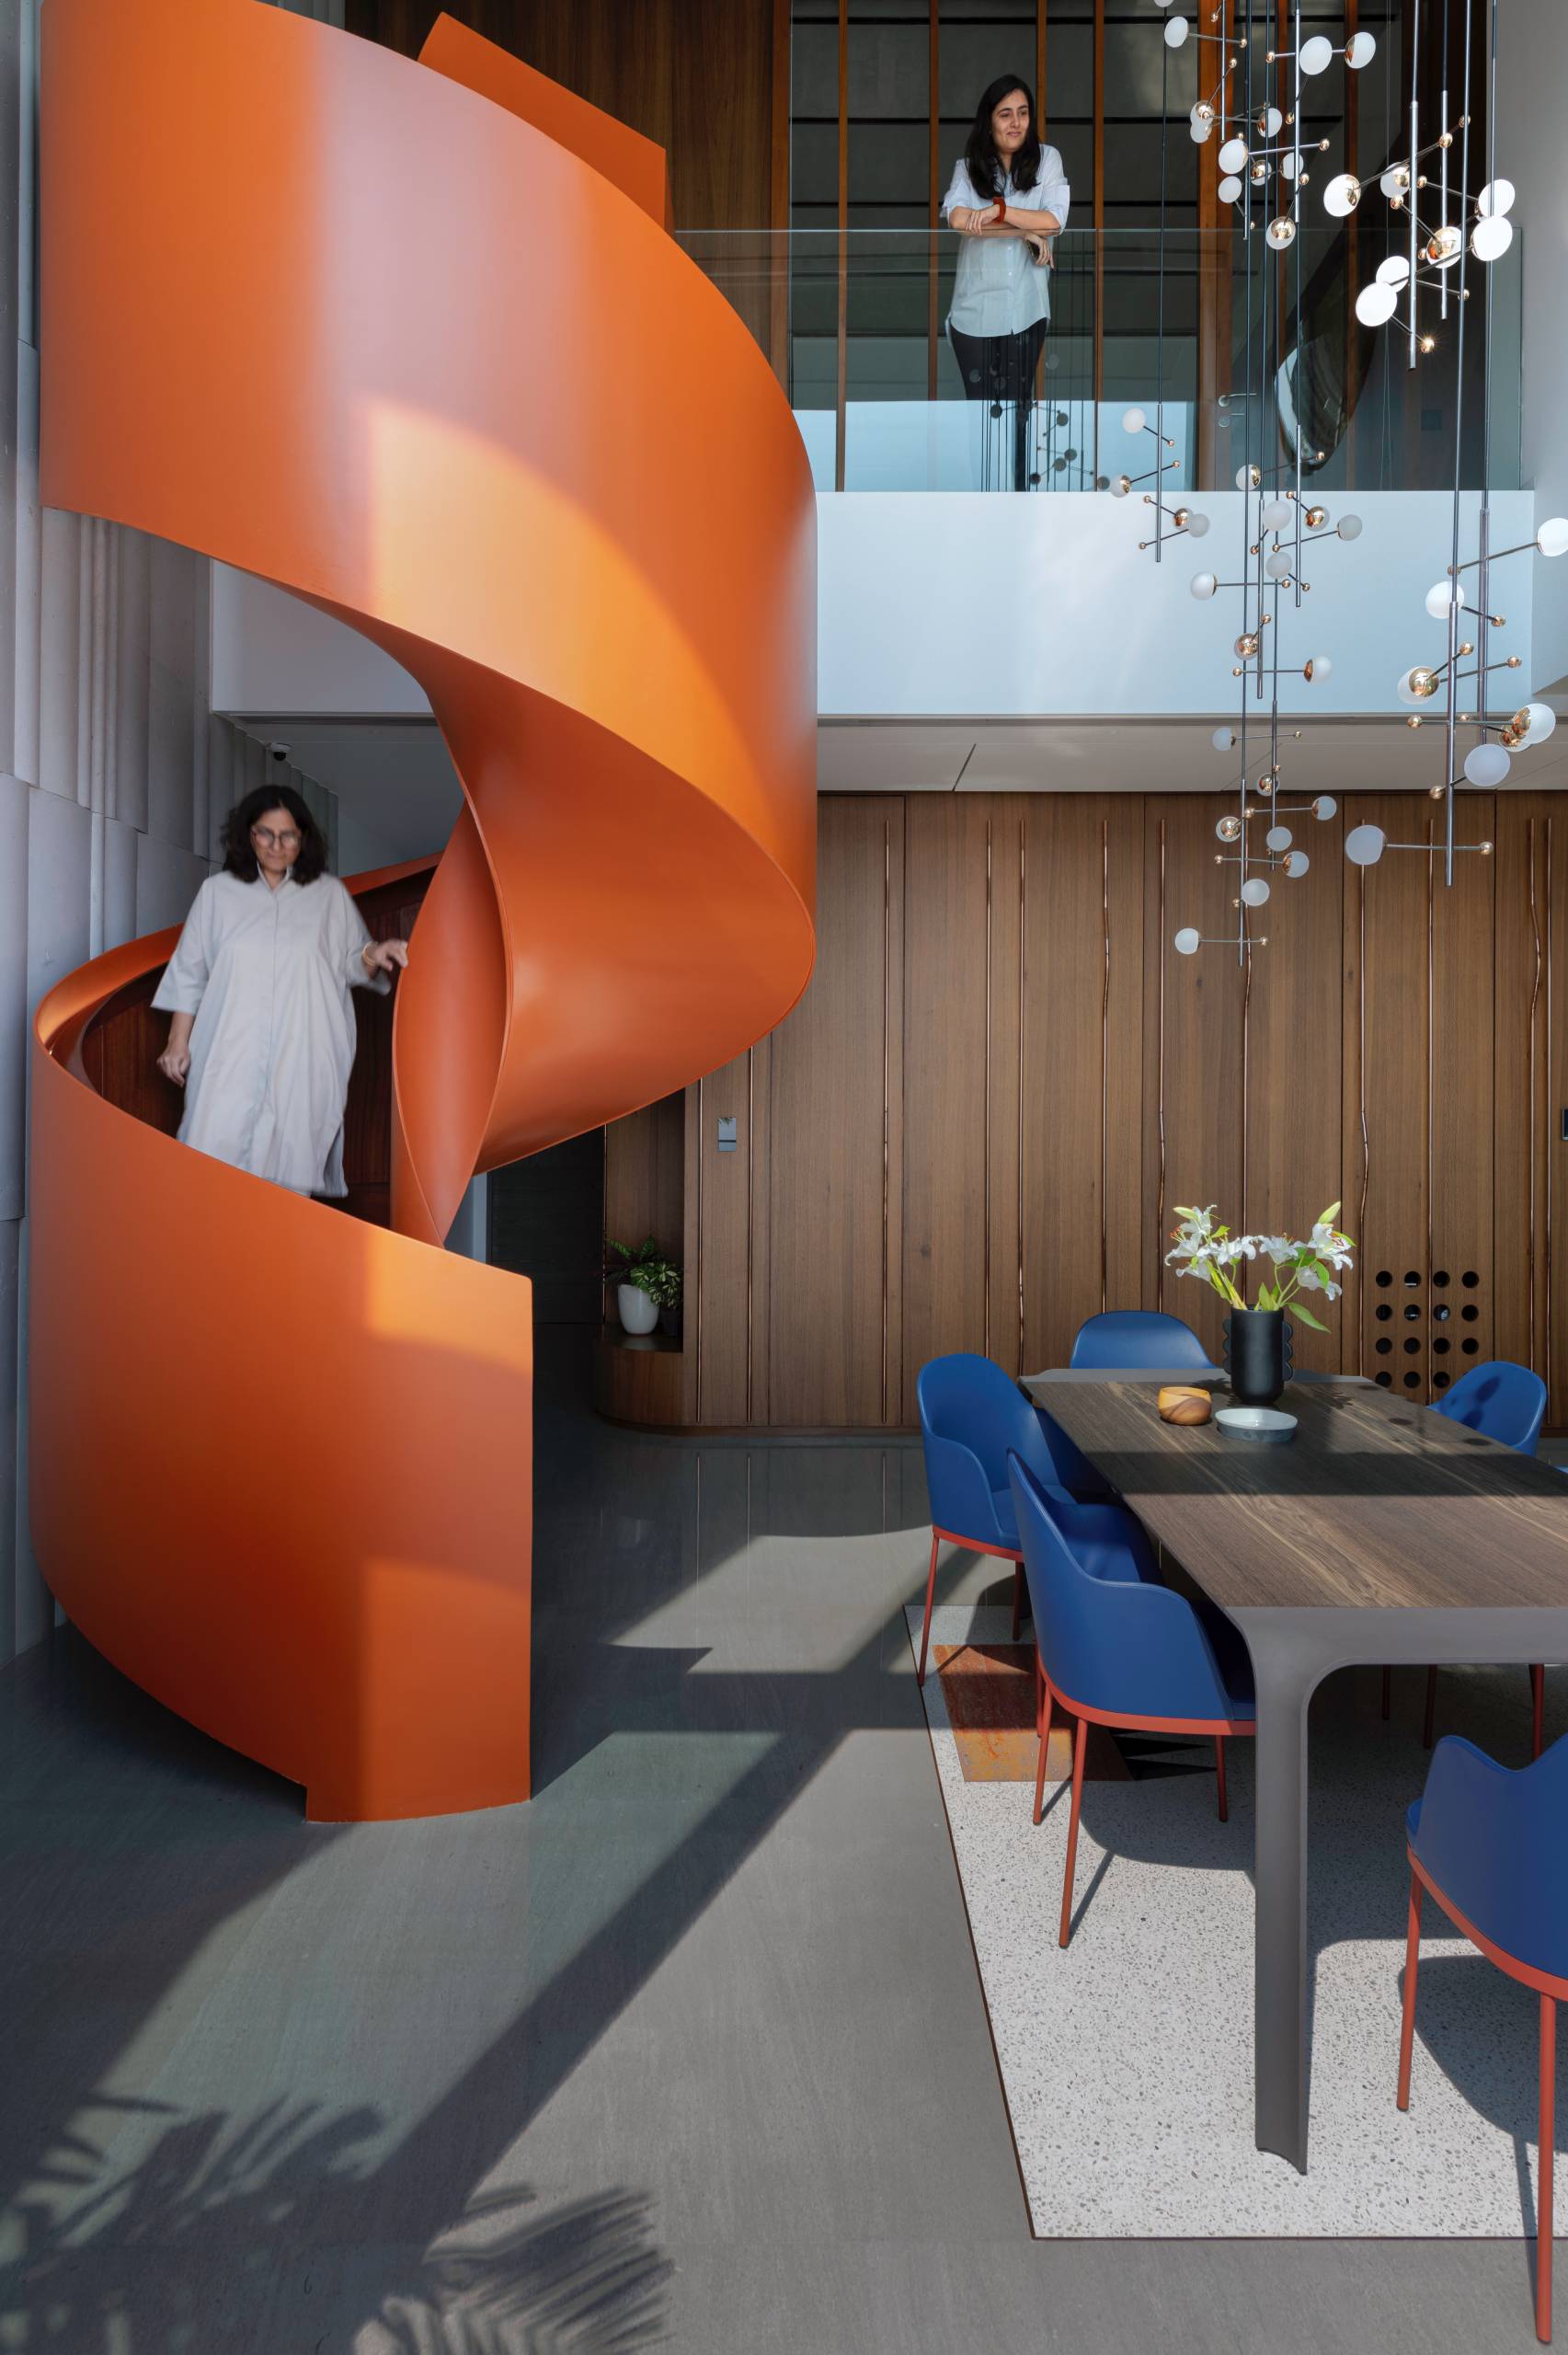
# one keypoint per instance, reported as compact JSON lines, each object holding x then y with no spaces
{"x":961,"y":603}
{"x":934,"y":604}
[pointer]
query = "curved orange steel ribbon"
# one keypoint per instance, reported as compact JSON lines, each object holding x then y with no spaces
{"x":357,"y":327}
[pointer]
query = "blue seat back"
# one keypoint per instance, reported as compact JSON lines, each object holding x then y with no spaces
{"x":1138,"y":1337}
{"x":1135,"y":1649}
{"x":1502,"y":1400}
{"x":972,"y":1416}
{"x":1495,"y":1842}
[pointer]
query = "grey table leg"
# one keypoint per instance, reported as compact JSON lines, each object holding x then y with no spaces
{"x":1292,"y":1651}
{"x":1286,"y":1672}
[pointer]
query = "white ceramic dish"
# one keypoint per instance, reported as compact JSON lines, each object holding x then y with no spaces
{"x":1256,"y":1423}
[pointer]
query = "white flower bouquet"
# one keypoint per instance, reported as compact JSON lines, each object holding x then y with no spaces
{"x":1201,"y":1249}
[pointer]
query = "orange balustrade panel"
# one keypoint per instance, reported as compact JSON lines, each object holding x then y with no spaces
{"x":391,"y":336}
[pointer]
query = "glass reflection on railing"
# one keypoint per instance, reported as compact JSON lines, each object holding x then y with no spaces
{"x":854,"y":323}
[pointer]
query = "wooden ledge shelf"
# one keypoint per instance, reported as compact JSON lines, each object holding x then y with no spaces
{"x":638,"y":1377}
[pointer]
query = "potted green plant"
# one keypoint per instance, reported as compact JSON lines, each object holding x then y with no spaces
{"x":1257,"y":1338}
{"x":647,"y":1285}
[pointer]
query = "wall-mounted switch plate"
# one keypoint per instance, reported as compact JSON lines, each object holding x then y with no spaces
{"x":726,"y":1132}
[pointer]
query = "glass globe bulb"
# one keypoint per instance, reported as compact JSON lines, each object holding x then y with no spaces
{"x":1553,"y":538}
{"x":1203,"y":586}
{"x":1296,"y":866}
{"x":1198,"y":525}
{"x":1187,"y":941}
{"x":1278,"y":566}
{"x":1276,"y":514}
{"x":1364,"y":845}
{"x":1249,"y":478}
{"x":1396,"y":180}
{"x":1176,"y":30}
{"x":1394,"y":272}
{"x":1487,"y":764}
{"x":1317,"y":668}
{"x":1360,"y":50}
{"x":1324,"y":805}
{"x":1255,"y":892}
{"x":1233,"y":155}
{"x":1444,"y":247}
{"x":1199,"y":132}
{"x":1230,"y":189}
{"x":1281,"y":231}
{"x":1317,"y":54}
{"x":1349,"y":527}
{"x":1120,"y":485}
{"x":1133,"y":420}
{"x":1223,"y":740}
{"x":1418,"y":685}
{"x":1228,"y":829}
{"x":1271,"y":122}
{"x":1442,"y":596}
{"x":1342,"y":195}
{"x":1495,"y":198}
{"x":1541,"y":721}
{"x":1280,"y":838}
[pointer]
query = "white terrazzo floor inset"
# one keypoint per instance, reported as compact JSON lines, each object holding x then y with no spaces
{"x":1127,"y":2059}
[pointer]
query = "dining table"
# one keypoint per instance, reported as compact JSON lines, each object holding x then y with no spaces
{"x":1380,"y":1532}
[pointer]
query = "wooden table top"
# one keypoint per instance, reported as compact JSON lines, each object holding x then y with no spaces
{"x":1376,"y":1503}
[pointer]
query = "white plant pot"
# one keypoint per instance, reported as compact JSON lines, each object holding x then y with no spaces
{"x":638,"y":1313}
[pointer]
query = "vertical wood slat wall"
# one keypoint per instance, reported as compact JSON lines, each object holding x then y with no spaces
{"x":974,"y":1131}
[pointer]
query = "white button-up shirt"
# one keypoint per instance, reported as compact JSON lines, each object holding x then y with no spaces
{"x":267,"y":974}
{"x":1001,"y":289}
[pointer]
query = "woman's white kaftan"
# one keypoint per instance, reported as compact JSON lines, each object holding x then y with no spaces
{"x":267,"y":974}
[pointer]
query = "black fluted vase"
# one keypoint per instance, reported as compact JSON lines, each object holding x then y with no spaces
{"x":1257,"y":1354}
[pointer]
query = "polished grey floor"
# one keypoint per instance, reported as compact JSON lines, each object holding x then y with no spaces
{"x":690,"y":2053}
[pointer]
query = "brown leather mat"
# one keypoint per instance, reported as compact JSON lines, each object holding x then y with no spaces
{"x":988,"y":1690}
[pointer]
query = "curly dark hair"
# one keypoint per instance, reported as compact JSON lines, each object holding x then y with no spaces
{"x":986,"y":171}
{"x":238,"y":857}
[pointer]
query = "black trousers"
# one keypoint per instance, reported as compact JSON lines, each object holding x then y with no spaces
{"x":1001,"y":369}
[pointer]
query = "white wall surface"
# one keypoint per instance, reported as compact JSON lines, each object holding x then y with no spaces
{"x":951,"y":603}
{"x":944,"y":604}
{"x":273,"y":653}
{"x":1532,"y":90}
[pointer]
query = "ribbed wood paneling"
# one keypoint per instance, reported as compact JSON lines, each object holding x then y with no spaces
{"x":829,"y":1241}
{"x":1057,"y":1080}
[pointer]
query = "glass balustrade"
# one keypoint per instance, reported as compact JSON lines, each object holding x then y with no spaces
{"x":1206,"y":345}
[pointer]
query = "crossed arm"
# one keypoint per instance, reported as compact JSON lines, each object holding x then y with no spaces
{"x":986,"y":221}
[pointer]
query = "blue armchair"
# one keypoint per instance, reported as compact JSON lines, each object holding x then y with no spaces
{"x":972,"y":1416}
{"x":1504,"y":1402}
{"x":1119,"y":1652}
{"x":1140,"y":1336}
{"x":1491,"y":1846}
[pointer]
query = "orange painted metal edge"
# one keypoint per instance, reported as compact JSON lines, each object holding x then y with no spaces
{"x":501,"y":425}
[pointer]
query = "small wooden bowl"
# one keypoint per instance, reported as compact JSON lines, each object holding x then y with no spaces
{"x":1178,"y":1404}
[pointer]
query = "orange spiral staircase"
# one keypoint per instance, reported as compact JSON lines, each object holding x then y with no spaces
{"x":412,"y":342}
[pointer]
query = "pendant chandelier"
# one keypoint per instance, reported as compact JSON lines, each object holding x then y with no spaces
{"x":1430,"y":274}
{"x":1264,"y":155}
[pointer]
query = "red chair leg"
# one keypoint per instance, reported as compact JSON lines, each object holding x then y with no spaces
{"x":1017,"y":1599}
{"x":1043,"y":1720}
{"x":1078,"y":1748}
{"x":1388,"y":1692}
{"x":1412,"y":1965}
{"x":1431,"y":1707}
{"x":1538,"y":1706}
{"x":1219,"y":1771}
{"x":1543,"y":2172}
{"x":930,"y":1597}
